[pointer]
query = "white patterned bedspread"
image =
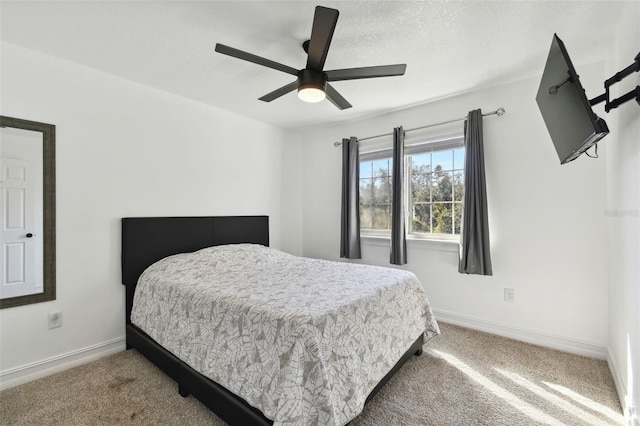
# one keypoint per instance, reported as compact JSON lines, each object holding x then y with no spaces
{"x":303,"y":340}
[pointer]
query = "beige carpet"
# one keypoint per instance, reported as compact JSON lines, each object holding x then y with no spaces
{"x":464,"y":377}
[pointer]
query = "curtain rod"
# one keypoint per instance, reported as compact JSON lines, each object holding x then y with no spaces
{"x":498,"y":112}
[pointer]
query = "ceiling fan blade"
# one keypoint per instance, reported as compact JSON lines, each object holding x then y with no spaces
{"x":336,"y":98}
{"x":366,"y":72}
{"x":324,"y":23}
{"x":245,"y":56}
{"x":280,"y":92}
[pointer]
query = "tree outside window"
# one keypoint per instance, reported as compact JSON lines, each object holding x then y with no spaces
{"x":375,"y":194}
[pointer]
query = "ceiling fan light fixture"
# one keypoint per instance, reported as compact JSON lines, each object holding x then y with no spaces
{"x":311,"y":94}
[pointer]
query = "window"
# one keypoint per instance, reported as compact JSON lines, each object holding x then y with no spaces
{"x":434,"y":189}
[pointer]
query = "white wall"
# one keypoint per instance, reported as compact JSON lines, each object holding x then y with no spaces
{"x":623,"y":219}
{"x":124,"y":149}
{"x":546,"y":222}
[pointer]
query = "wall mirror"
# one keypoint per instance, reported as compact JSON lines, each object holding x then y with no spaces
{"x":27,"y":212}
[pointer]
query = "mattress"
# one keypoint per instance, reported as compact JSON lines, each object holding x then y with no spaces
{"x":303,"y":340}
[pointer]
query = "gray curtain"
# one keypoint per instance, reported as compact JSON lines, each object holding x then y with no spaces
{"x":475,"y":257}
{"x":350,"y":219}
{"x":398,"y":238}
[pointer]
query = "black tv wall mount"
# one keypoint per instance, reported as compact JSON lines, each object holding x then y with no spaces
{"x":632,"y":94}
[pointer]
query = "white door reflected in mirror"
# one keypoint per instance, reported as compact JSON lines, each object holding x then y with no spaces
{"x":21,"y":212}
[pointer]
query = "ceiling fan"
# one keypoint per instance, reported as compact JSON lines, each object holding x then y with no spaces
{"x":313,"y":82}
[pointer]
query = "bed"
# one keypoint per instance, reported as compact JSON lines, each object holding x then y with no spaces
{"x":299,"y":355}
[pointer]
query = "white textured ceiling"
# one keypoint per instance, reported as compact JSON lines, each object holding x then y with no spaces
{"x":449,"y":46}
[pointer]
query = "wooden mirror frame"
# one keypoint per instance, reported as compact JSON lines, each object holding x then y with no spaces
{"x":49,"y":211}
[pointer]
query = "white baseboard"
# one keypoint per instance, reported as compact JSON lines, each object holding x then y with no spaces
{"x":542,"y":339}
{"x":630,"y":412}
{"x":617,"y":381}
{"x":26,"y":373}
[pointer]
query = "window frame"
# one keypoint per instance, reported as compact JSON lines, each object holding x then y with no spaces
{"x":416,"y":146}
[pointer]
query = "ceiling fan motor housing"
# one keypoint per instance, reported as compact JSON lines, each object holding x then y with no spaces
{"x":308,"y":78}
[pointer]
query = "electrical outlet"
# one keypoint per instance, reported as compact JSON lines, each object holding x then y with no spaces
{"x":509,"y":295}
{"x":55,"y":319}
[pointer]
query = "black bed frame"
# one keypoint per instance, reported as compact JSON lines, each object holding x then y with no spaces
{"x":145,"y":240}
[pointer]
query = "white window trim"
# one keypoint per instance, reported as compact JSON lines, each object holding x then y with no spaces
{"x":452,"y":245}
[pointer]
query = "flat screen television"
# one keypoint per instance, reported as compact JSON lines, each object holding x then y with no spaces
{"x":567,"y":113}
